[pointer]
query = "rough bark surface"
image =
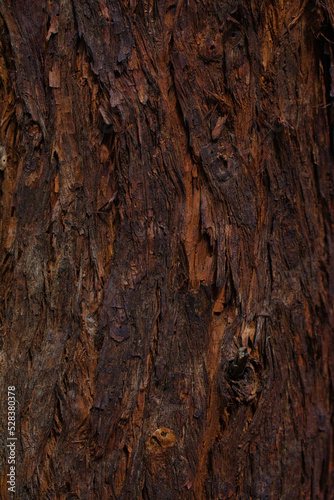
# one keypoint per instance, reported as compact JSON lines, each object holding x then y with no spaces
{"x":166,"y":248}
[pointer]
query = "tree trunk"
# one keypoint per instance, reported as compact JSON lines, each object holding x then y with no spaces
{"x":166,"y":224}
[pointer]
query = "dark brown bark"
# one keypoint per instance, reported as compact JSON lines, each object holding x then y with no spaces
{"x":166,"y":251}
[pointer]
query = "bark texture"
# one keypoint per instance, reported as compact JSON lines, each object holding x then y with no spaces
{"x":165,"y":249}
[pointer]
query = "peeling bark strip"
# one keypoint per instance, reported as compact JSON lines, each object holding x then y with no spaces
{"x":166,"y":174}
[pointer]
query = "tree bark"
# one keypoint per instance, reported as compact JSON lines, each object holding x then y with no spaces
{"x":166,"y":248}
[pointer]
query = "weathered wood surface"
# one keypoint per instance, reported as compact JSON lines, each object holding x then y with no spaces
{"x":166,"y":201}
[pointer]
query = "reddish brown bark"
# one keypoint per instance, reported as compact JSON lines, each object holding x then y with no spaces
{"x":166,"y":252}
